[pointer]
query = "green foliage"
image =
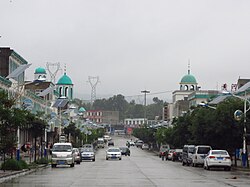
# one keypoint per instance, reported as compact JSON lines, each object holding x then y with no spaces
{"x":145,"y":134}
{"x":207,"y":126}
{"x":42,"y":161}
{"x":23,"y":164}
{"x":12,"y":164}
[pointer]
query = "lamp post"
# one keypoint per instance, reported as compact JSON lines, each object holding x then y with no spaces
{"x":244,"y":147}
{"x":145,"y":100}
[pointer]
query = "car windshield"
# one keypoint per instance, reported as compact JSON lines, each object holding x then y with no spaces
{"x":114,"y":150}
{"x":203,"y":150}
{"x":219,"y":153}
{"x":87,"y":150}
{"x":62,"y":148}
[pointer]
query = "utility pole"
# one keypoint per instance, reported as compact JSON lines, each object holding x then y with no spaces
{"x":145,"y":100}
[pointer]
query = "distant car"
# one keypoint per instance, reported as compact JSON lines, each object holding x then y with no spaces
{"x":100,"y":143}
{"x":139,"y":143}
{"x":106,"y":138}
{"x":218,"y":159}
{"x":187,"y":154}
{"x":200,"y":152}
{"x":111,"y":143}
{"x":77,"y":155}
{"x":88,"y":154}
{"x":145,"y":146}
{"x":125,"y":151}
{"x":131,"y":143}
{"x":177,"y":155}
{"x":113,"y":153}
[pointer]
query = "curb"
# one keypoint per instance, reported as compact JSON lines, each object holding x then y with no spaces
{"x":16,"y":174}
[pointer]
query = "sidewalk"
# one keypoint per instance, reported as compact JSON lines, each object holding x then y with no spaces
{"x":8,"y":175}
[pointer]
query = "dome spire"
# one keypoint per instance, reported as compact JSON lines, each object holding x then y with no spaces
{"x":188,"y":66}
{"x":64,"y":69}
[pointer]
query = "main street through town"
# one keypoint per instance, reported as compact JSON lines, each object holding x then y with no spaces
{"x":142,"y":168}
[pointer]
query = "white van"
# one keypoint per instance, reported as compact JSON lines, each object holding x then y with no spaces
{"x":100,"y":143}
{"x":62,"y":154}
{"x":200,"y":152}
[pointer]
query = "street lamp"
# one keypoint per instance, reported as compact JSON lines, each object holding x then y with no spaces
{"x":244,"y":148}
{"x":145,"y":100}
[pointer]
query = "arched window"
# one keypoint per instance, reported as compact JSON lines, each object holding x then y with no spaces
{"x":60,"y":91}
{"x":192,"y":87}
{"x":66,"y":92}
{"x":186,"y":87}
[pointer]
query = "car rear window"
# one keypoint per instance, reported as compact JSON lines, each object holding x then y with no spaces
{"x":219,"y":153}
{"x":203,"y":150}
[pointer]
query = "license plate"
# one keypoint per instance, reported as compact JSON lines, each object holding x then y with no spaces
{"x":219,"y":158}
{"x":113,"y":157}
{"x":61,"y":162}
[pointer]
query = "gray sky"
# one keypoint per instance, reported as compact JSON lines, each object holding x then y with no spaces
{"x":132,"y":45}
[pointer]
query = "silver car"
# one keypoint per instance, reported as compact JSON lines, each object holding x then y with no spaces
{"x":88,"y":154}
{"x":77,"y":155}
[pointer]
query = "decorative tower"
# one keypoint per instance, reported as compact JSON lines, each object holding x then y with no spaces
{"x":65,"y":86}
{"x":188,"y":82}
{"x":40,"y":74}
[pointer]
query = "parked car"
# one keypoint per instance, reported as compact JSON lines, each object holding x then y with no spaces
{"x":88,"y":154}
{"x":113,"y":153}
{"x":139,"y":143}
{"x":177,"y":155}
{"x":125,"y":151}
{"x":187,"y":153}
{"x":200,"y":152}
{"x":217,"y":159}
{"x":77,"y":155}
{"x":62,"y":154}
{"x":145,"y":146}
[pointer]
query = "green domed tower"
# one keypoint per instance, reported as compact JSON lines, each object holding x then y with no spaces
{"x":65,"y":87}
{"x":188,"y":82}
{"x":40,"y":74}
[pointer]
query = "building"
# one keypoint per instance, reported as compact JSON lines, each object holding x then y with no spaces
{"x":135,"y":122}
{"x":103,"y":117}
{"x":189,"y":95}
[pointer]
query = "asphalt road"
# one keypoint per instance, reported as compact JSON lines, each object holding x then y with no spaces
{"x":142,"y":168}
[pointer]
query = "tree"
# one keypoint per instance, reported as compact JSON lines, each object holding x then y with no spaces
{"x":10,"y":119}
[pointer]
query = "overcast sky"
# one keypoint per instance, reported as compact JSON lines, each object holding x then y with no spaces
{"x":132,"y":45}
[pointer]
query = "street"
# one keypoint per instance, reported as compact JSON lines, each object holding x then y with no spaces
{"x":142,"y":168}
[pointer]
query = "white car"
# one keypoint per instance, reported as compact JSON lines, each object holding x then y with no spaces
{"x":145,"y":146}
{"x":113,"y":153}
{"x":218,"y":159}
{"x":62,"y":154}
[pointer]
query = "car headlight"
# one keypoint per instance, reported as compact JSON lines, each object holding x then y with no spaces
{"x":54,"y":155}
